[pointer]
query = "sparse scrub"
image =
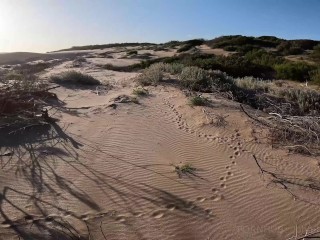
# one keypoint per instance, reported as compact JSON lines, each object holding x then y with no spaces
{"x":73,"y":77}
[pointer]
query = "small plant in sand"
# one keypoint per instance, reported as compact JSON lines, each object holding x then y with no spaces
{"x":74,"y":77}
{"x":184,"y":169}
{"x":140,"y":92}
{"x":198,"y":101}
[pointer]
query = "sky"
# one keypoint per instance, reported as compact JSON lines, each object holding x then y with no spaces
{"x":47,"y":25}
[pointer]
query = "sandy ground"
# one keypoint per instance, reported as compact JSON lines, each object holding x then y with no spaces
{"x":109,"y":173}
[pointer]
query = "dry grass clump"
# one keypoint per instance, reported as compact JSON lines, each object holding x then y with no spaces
{"x":74,"y":77}
{"x":253,"y":84}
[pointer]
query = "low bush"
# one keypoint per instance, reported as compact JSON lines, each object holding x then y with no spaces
{"x":74,"y":77}
{"x":151,"y":76}
{"x":194,"y":78}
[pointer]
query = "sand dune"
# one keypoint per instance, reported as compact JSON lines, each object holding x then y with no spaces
{"x":110,"y":173}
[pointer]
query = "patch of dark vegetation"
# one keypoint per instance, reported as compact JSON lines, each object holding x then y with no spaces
{"x":187,"y":45}
{"x":132,"y":52}
{"x":198,"y":101}
{"x":243,"y":44}
{"x":74,"y":78}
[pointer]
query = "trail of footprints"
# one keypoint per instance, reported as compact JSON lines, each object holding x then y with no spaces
{"x":234,"y":143}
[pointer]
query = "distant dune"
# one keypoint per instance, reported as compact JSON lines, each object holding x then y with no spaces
{"x":22,"y":57}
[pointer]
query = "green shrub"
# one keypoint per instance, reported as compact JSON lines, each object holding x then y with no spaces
{"x":198,"y":101}
{"x":293,"y":71}
{"x":73,"y":77}
{"x":193,"y":77}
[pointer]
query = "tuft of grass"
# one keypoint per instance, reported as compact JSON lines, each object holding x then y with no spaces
{"x":198,"y":101}
{"x":184,"y":169}
{"x":140,"y":92}
{"x":74,"y":77}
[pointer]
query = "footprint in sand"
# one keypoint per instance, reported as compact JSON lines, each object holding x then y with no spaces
{"x":28,"y":218}
{"x":234,"y":162}
{"x":201,"y":199}
{"x":237,"y":153}
{"x":216,"y":197}
{"x":6,"y":224}
{"x":171,"y":207}
{"x":120,"y":218}
{"x":208,"y":212}
{"x":223,"y":179}
{"x":49,"y":219}
{"x":138,"y":214}
{"x":229,"y":173}
{"x":158,"y":214}
{"x":223,"y":185}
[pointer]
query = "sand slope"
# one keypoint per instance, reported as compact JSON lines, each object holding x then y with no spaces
{"x":109,"y":173}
